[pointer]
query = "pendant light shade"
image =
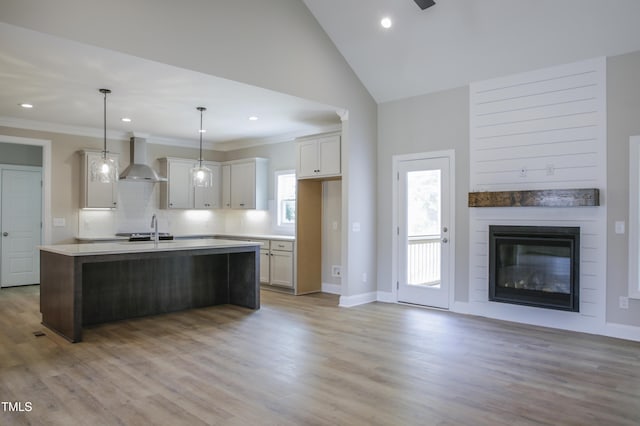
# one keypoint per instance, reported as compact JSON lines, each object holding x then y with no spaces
{"x":104,"y":169}
{"x":201,"y":175}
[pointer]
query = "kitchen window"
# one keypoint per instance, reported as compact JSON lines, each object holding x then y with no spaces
{"x":285,"y":190}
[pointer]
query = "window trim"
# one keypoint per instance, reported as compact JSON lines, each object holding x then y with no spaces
{"x":289,"y":228}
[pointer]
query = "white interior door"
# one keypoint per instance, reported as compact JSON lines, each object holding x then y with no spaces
{"x":424,"y":229}
{"x":21,"y":226}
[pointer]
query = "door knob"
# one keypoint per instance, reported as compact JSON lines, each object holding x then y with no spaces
{"x":445,"y":229}
{"x":5,"y":234}
{"x":445,"y":240}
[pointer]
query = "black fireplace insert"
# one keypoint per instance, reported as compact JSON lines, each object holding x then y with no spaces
{"x":535,"y":266}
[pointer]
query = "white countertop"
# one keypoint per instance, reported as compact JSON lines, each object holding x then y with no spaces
{"x":187,"y":236}
{"x":121,"y":247}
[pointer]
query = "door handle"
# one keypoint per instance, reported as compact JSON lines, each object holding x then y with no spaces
{"x":445,"y":240}
{"x":5,"y":234}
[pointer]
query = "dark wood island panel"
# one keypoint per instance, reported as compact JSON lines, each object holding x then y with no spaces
{"x":91,"y":289}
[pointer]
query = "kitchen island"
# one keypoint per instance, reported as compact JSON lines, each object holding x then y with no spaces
{"x":84,"y":284}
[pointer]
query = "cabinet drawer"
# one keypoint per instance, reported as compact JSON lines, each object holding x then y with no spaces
{"x":282,"y":245}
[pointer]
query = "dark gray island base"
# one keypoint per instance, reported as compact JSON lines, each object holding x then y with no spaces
{"x":112,"y":281}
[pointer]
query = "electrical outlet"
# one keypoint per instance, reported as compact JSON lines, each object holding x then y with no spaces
{"x":364,"y":277}
{"x":623,"y":302}
{"x":336,"y":270}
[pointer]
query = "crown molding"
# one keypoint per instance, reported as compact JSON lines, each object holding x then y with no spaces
{"x":287,"y":137}
{"x":44,"y":126}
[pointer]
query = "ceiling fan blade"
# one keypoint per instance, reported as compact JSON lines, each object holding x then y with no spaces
{"x":423,"y":4}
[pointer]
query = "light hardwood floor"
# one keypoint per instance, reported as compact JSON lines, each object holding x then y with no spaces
{"x":304,"y":361}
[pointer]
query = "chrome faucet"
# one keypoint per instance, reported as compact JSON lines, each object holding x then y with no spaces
{"x":154,"y":225}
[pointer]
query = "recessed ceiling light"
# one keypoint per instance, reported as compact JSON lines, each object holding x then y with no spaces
{"x":253,"y":118}
{"x":203,"y":130}
{"x":26,"y":106}
{"x":126,"y":119}
{"x":386,"y":22}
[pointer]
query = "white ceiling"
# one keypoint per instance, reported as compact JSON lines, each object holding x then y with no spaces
{"x":448,"y":45}
{"x":459,"y":41}
{"x":61,"y":78}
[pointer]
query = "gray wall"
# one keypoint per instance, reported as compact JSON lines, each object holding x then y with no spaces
{"x":441,"y":121}
{"x":623,"y":121}
{"x":282,"y":156}
{"x":434,"y":122}
{"x":274,"y":44}
{"x":24,"y":155}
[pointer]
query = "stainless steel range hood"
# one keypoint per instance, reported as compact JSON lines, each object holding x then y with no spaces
{"x":138,"y":170}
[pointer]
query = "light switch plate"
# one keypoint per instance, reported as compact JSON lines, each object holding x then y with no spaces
{"x":620,"y":227}
{"x":59,"y":222}
{"x":355,"y":227}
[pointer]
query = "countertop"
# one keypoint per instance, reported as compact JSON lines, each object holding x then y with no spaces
{"x":142,"y":247}
{"x":106,"y":238}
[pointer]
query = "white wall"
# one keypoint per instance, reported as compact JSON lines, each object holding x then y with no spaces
{"x":277,"y":45}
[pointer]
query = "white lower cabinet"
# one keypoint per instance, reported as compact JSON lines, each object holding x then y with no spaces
{"x":264,"y":265}
{"x":281,"y":266}
{"x":276,"y":263}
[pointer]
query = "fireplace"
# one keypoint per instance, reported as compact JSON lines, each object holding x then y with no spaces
{"x":535,"y":266}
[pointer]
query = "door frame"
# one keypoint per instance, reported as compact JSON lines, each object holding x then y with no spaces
{"x":46,"y":179}
{"x":395,"y":270}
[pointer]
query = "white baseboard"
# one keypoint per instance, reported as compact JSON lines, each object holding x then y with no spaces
{"x":622,"y":331}
{"x":583,"y":325}
{"x":357,"y":299}
{"x":331,"y":288}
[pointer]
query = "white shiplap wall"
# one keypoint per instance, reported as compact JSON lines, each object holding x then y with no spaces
{"x":543,"y":129}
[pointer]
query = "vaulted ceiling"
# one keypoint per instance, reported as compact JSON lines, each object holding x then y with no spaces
{"x":459,"y":41}
{"x":445,"y":46}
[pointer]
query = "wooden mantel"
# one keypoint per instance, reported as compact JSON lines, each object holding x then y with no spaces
{"x":537,"y":198}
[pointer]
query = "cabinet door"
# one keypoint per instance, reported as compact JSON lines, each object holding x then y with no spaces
{"x":307,"y":159}
{"x":226,"y":186}
{"x":209,"y":198}
{"x":282,"y":268}
{"x":243,"y":186}
{"x":98,"y":194}
{"x":264,"y":266}
{"x":180,"y":188}
{"x":329,"y":156}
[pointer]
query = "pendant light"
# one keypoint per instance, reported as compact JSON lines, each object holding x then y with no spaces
{"x":201,"y":175}
{"x":104,"y":169}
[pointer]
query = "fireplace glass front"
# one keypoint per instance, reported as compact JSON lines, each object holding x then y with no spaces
{"x":535,"y":266}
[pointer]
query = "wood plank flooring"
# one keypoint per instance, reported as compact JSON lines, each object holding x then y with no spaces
{"x":304,"y":361}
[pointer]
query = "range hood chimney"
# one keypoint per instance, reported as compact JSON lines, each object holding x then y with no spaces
{"x":138,"y":170}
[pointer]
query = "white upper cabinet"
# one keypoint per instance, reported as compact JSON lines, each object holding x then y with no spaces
{"x":244,"y":184}
{"x":96,"y":194}
{"x":318,"y":157}
{"x":209,"y":197}
{"x":179,"y":193}
{"x":226,"y":186}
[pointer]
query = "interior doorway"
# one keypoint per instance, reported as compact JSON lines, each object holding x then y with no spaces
{"x":15,"y":149}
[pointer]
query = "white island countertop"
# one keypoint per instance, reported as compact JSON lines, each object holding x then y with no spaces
{"x":121,"y":247}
